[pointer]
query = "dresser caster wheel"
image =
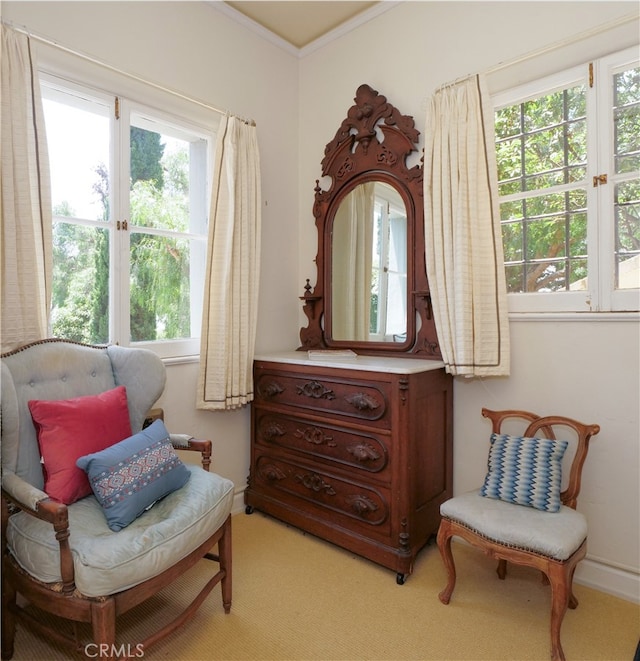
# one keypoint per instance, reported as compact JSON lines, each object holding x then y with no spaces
{"x":248,"y":509}
{"x":400,"y":578}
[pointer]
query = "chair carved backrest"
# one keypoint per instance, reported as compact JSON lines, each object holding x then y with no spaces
{"x":56,"y":369}
{"x":544,"y":426}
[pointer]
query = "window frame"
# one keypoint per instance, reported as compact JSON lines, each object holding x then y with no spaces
{"x":179,"y":114}
{"x":611,"y":298}
{"x":600,"y":295}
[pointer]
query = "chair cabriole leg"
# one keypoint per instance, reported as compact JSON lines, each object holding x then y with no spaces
{"x":444,"y":545}
{"x":573,"y":600}
{"x":559,"y":578}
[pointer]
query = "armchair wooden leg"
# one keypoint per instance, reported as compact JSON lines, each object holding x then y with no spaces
{"x":444,"y":546}
{"x":224,"y":551}
{"x":501,"y":570}
{"x":103,"y":624}
{"x":8,"y":617}
{"x":560,"y":589}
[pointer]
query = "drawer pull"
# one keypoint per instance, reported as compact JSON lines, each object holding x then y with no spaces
{"x":271,"y":389}
{"x":315,"y":436}
{"x":314,"y":482}
{"x":363,"y":402}
{"x":361,"y":505}
{"x":316,"y":390}
{"x":364,"y":452}
{"x":272,"y":473}
{"x":272,"y":431}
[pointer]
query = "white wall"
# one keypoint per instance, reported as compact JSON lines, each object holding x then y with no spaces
{"x":192,"y":48}
{"x":587,"y":369}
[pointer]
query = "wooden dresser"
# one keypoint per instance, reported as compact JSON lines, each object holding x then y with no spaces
{"x":357,"y":452}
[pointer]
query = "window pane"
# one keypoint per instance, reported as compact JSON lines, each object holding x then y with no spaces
{"x":542,"y":142}
{"x":512,"y":241}
{"x":515,"y":278}
{"x":546,"y":276}
{"x":80,"y":294}
{"x":507,"y":122}
{"x":627,"y":225}
{"x":78,"y":136}
{"x":546,"y":234}
{"x":167,"y":196}
{"x":165,"y":173}
{"x":161,"y":287}
{"x":626,"y":118}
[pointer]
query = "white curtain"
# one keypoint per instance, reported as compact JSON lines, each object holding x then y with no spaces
{"x":465,"y":263}
{"x":25,"y":203}
{"x":233,"y":265}
{"x":352,"y":243}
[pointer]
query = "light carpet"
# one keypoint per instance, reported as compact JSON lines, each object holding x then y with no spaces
{"x":298,"y":598}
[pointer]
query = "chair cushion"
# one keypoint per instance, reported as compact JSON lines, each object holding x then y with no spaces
{"x":526,"y":471}
{"x":70,"y":428}
{"x":553,"y":534}
{"x":107,"y":562}
{"x":130,"y":476}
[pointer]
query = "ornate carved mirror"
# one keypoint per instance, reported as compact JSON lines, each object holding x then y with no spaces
{"x":371,"y":294}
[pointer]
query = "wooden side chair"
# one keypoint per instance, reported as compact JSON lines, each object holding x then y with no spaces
{"x":99,"y":513}
{"x":521,"y":514}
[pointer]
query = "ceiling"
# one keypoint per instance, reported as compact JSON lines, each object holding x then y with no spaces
{"x":300,"y":22}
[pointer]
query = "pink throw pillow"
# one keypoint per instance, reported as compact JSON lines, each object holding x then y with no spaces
{"x":71,"y":428}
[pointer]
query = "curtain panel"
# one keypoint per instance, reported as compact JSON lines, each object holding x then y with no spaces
{"x":25,"y":203}
{"x":232,"y":271}
{"x":465,"y":263}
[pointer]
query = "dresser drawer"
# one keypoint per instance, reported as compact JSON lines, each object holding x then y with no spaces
{"x":309,"y":489}
{"x":351,"y":399}
{"x":350,"y":449}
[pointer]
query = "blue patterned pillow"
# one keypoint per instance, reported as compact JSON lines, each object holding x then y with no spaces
{"x":130,"y":476}
{"x":526,"y":471}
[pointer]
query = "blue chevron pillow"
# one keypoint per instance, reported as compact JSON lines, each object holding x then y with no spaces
{"x":526,"y":471}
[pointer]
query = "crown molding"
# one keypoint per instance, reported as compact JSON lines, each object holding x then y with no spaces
{"x":348,"y":26}
{"x":318,"y":43}
{"x":250,"y":24}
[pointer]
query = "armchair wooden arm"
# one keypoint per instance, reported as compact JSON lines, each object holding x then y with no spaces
{"x":183,"y":442}
{"x":57,"y":515}
{"x":195,"y":445}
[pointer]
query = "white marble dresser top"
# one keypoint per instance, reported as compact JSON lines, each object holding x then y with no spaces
{"x":366,"y":363}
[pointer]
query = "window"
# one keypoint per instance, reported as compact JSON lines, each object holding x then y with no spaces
{"x":568,"y":153}
{"x":129,"y":193}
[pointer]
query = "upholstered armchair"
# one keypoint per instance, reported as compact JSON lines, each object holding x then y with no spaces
{"x":99,"y":514}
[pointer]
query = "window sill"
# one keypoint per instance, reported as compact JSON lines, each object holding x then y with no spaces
{"x":574,"y":316}
{"x":181,"y":360}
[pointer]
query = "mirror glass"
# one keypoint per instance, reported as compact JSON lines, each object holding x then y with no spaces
{"x":369,"y":265}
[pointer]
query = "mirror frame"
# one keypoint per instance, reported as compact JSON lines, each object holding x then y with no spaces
{"x":372,"y":144}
